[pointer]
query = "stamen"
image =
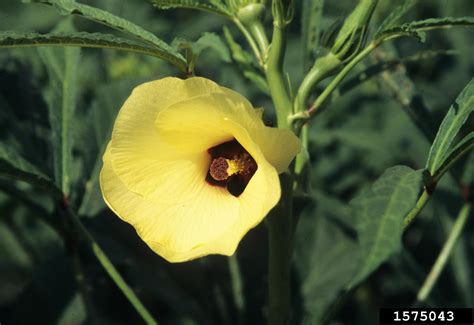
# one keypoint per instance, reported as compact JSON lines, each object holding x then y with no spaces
{"x":222,"y":168}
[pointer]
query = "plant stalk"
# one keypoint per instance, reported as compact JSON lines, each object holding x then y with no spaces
{"x":280,"y":226}
{"x":110,"y":269}
{"x":443,"y":257}
{"x":275,"y":76}
{"x":280,"y":244}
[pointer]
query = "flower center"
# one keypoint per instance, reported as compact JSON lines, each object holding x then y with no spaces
{"x":231,"y":167}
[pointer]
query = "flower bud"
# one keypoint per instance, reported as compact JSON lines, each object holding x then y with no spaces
{"x":352,"y":35}
{"x":247,"y":10}
{"x":251,"y":12}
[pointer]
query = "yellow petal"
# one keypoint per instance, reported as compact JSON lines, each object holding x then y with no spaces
{"x":278,"y":146}
{"x":135,"y":145}
{"x":175,"y":230}
{"x":155,"y":167}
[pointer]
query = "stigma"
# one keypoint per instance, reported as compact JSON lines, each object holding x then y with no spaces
{"x":222,"y":168}
{"x":231,"y":167}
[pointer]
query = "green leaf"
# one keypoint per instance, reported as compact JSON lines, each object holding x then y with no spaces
{"x":449,"y":128}
{"x":417,"y":28}
{"x":61,"y":65}
{"x":463,"y":147}
{"x":379,"y":214}
{"x":324,"y":254}
{"x":191,"y":4}
{"x":84,"y":39}
{"x":194,"y":49}
{"x":436,"y":23}
{"x":15,"y":167}
{"x":69,"y":7}
{"x":311,"y":25}
{"x":395,"y":16}
{"x":214,"y":42}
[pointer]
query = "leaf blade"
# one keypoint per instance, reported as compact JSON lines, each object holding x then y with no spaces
{"x":395,"y":15}
{"x":459,"y":150}
{"x":190,"y":4}
{"x":69,"y":7}
{"x":85,"y":39}
{"x":61,"y":65}
{"x":417,"y":28}
{"x":379,"y":215}
{"x":450,"y":126}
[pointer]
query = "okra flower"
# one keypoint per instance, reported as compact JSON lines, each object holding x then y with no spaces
{"x":192,"y":167}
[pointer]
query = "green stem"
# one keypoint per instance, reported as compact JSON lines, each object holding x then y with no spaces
{"x":275,"y":76}
{"x":301,"y":167}
{"x":440,"y":263}
{"x":84,"y":291}
{"x":420,"y":204}
{"x":111,"y":270}
{"x":280,"y":239}
{"x":236,"y":282}
{"x":337,"y":80}
{"x":322,"y":68}
{"x":280,"y":225}
{"x":250,"y":40}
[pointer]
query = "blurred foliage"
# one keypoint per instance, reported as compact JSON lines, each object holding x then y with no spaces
{"x":365,"y":130}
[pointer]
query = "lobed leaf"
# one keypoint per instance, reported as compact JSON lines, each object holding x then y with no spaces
{"x":379,"y":214}
{"x":84,"y":39}
{"x":449,"y":128}
{"x":69,"y":7}
{"x":211,"y":7}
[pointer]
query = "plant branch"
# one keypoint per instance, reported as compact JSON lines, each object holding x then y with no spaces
{"x":420,"y":204}
{"x":110,"y":268}
{"x":250,"y":40}
{"x":443,"y":257}
{"x":274,"y":72}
